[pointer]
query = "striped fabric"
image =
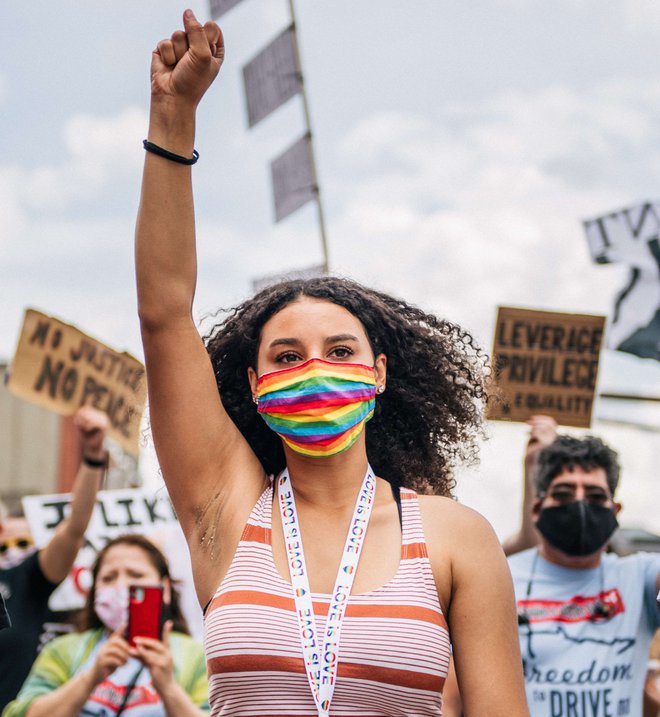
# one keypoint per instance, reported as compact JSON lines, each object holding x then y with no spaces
{"x":394,"y":651}
{"x":320,"y":407}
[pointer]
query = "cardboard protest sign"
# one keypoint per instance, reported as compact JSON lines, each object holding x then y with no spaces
{"x":116,"y":512}
{"x":545,"y":362}
{"x":59,"y":367}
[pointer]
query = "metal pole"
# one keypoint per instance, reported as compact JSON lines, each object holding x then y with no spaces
{"x":630,"y":397}
{"x":319,"y":206}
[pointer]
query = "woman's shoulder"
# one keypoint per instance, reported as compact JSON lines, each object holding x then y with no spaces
{"x":72,"y":641}
{"x":65,"y":654}
{"x":449,"y":509}
{"x":450,"y":523}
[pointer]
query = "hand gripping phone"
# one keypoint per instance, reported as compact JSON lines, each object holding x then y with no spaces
{"x":145,"y":612}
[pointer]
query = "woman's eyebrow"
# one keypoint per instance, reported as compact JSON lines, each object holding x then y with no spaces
{"x":340,"y":337}
{"x":283,"y":342}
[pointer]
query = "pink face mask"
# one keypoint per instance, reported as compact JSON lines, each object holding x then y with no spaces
{"x":12,"y":556}
{"x":111,"y":606}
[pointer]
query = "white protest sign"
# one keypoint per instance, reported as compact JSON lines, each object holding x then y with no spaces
{"x":624,"y":235}
{"x":116,"y":512}
{"x":632,"y":236}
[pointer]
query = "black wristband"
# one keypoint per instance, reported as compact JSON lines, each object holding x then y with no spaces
{"x":95,"y":462}
{"x":151,"y":147}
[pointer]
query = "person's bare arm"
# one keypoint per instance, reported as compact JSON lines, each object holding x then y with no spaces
{"x":480,"y":608}
{"x":57,"y":558}
{"x":451,"y":697}
{"x":65,"y":701}
{"x":543,"y":431}
{"x":212,"y":475}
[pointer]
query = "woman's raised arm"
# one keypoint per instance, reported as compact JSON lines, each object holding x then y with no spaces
{"x":204,"y":458}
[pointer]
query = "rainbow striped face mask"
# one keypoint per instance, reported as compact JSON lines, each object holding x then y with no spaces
{"x":318,"y":408}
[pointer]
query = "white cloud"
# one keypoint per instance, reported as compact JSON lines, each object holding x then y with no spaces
{"x":640,"y":15}
{"x":100,"y":149}
{"x":482,"y":206}
{"x":104,"y":158}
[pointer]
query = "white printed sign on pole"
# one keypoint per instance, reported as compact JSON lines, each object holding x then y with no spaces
{"x":311,"y":272}
{"x":272,"y":77}
{"x":220,"y":7}
{"x":293,"y":178}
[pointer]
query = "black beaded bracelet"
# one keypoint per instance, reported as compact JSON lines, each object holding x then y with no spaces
{"x":95,"y":462}
{"x":151,"y":147}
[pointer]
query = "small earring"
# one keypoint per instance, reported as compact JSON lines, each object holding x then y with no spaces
{"x":381,"y":389}
{"x":255,"y":399}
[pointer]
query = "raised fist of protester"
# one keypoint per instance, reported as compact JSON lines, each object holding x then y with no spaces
{"x":184,"y":66}
{"x":92,"y":426}
{"x":543,"y":431}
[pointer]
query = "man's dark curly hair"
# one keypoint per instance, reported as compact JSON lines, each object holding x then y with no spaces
{"x":427,"y":421}
{"x":566,"y":452}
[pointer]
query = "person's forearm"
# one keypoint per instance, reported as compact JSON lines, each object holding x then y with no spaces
{"x":57,"y":558}
{"x":526,"y":537}
{"x":65,"y":701}
{"x":83,"y":497}
{"x":166,"y":262}
{"x":177,"y":703}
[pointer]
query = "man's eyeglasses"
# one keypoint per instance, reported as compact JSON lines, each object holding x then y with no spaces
{"x":565,"y":495}
{"x":20,"y":543}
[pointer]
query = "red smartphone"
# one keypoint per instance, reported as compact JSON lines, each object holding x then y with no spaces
{"x":145,"y":612}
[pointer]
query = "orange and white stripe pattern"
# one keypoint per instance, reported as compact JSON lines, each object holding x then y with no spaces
{"x":394,"y":651}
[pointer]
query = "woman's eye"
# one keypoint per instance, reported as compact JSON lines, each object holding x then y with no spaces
{"x":341,"y":352}
{"x":287,"y":357}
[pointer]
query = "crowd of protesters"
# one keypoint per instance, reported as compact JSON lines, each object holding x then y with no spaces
{"x":586,"y":616}
{"x":310,"y":445}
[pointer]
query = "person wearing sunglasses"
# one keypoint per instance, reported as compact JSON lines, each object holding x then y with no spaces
{"x":29,"y":576}
{"x":586,"y":617}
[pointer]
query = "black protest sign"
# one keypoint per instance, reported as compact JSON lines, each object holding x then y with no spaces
{"x":545,"y":362}
{"x":59,"y":367}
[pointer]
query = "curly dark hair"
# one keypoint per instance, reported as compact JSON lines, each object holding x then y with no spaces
{"x":566,"y":452}
{"x":89,"y":620}
{"x":428,"y":420}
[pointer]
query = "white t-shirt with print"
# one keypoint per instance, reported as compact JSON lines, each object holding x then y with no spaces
{"x":577,"y":664}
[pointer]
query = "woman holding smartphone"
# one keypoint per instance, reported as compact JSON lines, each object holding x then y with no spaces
{"x":97,"y":672}
{"x":291,"y":444}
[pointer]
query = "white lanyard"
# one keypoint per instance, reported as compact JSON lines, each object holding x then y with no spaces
{"x":321,"y":666}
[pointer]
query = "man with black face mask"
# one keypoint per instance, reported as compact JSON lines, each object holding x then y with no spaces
{"x":586,"y":618}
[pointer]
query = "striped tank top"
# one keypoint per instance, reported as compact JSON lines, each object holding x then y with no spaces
{"x":394,"y":650}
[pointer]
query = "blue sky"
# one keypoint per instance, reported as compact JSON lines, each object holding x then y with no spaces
{"x":458,"y":144}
